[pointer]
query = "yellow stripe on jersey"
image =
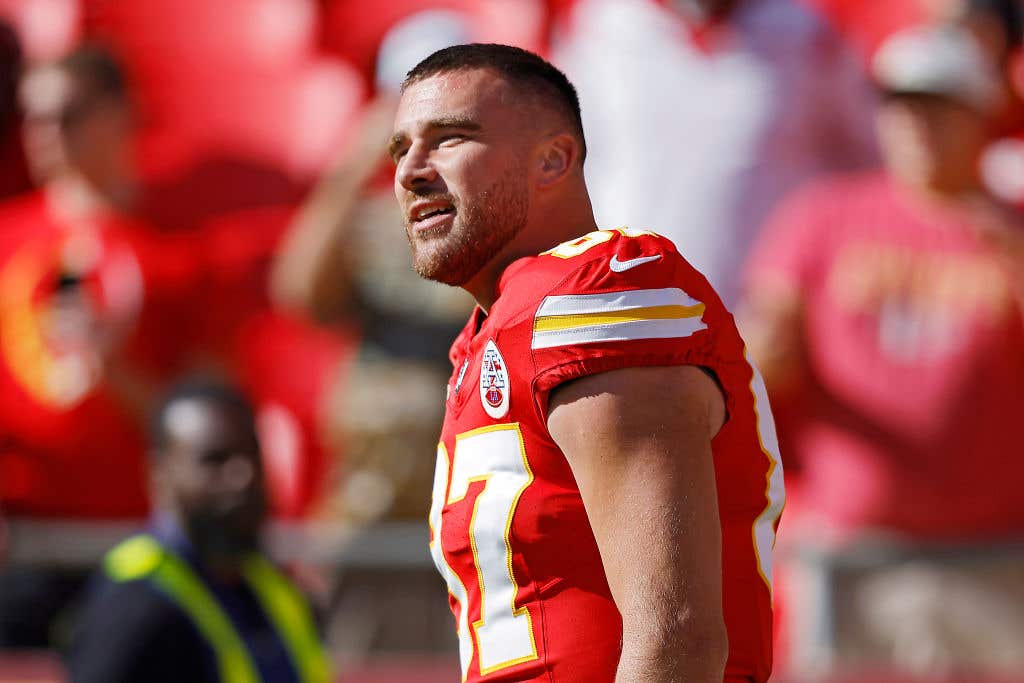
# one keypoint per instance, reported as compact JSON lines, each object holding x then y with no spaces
{"x":578,"y":304}
{"x":566,"y":322}
{"x":616,"y":316}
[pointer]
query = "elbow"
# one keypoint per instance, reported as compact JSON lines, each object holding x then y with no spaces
{"x":709,"y":646}
{"x":696,"y":646}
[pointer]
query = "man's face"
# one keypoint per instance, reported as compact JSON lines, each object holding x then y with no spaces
{"x":931,"y":142}
{"x":211,"y":475}
{"x":69,"y":126}
{"x":461,"y":144}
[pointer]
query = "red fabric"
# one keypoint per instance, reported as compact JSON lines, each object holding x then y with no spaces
{"x":287,"y":367}
{"x":916,"y":346}
{"x":575,"y":627}
{"x":80,"y":452}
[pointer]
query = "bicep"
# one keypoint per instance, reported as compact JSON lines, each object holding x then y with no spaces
{"x":639,"y":444}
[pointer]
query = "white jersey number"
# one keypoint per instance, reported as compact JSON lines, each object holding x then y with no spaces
{"x":496,"y":456}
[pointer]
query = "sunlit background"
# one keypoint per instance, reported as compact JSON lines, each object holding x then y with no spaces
{"x":198,"y":187}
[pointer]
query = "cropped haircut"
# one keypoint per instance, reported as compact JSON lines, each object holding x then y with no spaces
{"x":521,"y":67}
{"x":203,"y":389}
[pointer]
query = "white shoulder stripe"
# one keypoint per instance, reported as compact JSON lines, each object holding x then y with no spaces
{"x":624,"y":331}
{"x":580,"y":304}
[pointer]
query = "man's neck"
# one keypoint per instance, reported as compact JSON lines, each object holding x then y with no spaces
{"x":533,"y":240}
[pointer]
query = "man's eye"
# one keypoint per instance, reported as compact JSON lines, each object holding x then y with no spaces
{"x":449,"y":140}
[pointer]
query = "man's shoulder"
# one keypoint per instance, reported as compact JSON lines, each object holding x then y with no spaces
{"x":135,"y":603}
{"x":609,"y":299}
{"x":599,"y":262}
{"x":155,"y":640}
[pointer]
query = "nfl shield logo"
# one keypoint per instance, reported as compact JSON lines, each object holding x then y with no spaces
{"x":494,"y":389}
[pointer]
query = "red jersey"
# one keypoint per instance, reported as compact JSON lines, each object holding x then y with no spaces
{"x":509,"y":531}
{"x":914,"y":337}
{"x":69,"y":444}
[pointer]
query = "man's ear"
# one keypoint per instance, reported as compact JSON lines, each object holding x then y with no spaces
{"x":557,"y":157}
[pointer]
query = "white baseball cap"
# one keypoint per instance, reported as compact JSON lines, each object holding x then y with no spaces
{"x":938,"y":60}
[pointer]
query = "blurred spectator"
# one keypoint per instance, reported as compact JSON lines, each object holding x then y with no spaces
{"x":701,"y":114}
{"x":999,"y":25}
{"x":887,"y":314}
{"x":193,"y":599}
{"x":89,"y":323}
{"x":90,"y":318}
{"x":345,"y":260}
{"x":995,"y":24}
{"x":175,"y":249}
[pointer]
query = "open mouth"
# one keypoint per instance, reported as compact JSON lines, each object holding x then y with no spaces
{"x":427,"y":217}
{"x":427,"y":212}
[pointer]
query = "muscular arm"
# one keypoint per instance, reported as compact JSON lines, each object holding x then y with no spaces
{"x":639,"y":443}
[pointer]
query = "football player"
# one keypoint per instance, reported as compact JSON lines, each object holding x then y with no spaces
{"x":608,"y":484}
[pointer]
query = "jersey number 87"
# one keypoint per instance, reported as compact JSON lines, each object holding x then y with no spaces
{"x":496,"y":456}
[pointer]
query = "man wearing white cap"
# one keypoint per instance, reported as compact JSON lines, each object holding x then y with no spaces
{"x":885,"y":311}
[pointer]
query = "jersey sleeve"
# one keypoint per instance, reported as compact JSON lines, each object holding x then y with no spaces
{"x":629,"y":301}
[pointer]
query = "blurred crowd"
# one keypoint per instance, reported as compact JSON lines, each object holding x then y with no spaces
{"x":197,"y":189}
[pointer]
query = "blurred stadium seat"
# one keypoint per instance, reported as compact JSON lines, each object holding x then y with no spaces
{"x":238,"y":78}
{"x":195,"y":35}
{"x":292,"y":120}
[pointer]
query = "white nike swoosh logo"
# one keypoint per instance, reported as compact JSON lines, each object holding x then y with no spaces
{"x":622,"y":266}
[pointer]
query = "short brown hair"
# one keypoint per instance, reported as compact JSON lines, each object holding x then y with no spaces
{"x":516,"y":65}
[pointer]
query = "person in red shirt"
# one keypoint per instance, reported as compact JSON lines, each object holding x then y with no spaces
{"x":886,"y":312}
{"x":91,"y":321}
{"x":607,"y":486}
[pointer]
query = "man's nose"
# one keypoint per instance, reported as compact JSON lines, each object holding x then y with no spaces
{"x":415,"y":169}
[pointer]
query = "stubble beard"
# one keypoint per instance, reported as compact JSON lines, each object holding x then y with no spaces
{"x":480,"y":230}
